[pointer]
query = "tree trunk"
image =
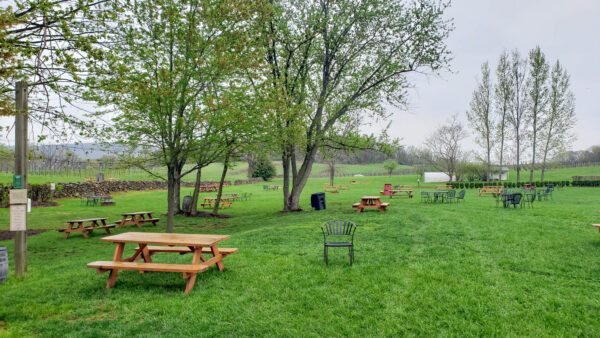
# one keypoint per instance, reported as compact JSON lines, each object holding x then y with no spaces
{"x":196,"y":194}
{"x":220,"y":192}
{"x":285,"y":160}
{"x":518,"y":159}
{"x":170,"y":198}
{"x":489,"y":157}
{"x":250,"y":158}
{"x":177,"y":195}
{"x":292,"y":202}
{"x":331,"y":172}
{"x":533,"y":152}
{"x":178,"y":168}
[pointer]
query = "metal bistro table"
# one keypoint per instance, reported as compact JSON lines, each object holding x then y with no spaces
{"x":508,"y":199}
{"x":438,"y":195}
{"x":96,"y":199}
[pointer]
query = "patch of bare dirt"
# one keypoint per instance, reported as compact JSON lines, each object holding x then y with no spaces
{"x":6,"y":235}
{"x":44,"y":204}
{"x":208,"y":214}
{"x":36,"y":204}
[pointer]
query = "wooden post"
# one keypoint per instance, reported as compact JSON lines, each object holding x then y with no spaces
{"x":21,"y":169}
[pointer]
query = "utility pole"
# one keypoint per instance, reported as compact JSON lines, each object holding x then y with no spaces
{"x":20,"y":178}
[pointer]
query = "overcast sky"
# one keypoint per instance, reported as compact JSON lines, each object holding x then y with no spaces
{"x":568,"y":30}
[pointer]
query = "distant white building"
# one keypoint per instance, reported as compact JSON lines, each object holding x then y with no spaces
{"x":501,"y":176}
{"x":436,"y":177}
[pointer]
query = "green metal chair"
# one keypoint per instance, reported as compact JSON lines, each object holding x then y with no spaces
{"x":528,"y":199}
{"x":342,"y":232}
{"x":425,"y":197}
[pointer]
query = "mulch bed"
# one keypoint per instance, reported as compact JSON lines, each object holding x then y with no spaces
{"x":208,"y":214}
{"x":6,"y":235}
{"x":44,"y":204}
{"x":41,"y":204}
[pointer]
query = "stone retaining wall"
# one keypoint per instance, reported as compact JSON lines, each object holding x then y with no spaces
{"x":108,"y":187}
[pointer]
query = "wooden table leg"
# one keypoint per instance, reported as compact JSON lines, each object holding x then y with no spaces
{"x":117,"y":257}
{"x":68,"y":230}
{"x":194,"y":250}
{"x":215,"y":252}
{"x":136,"y":220}
{"x":123,"y":221}
{"x":83,"y":230}
{"x":145,"y":254}
{"x":104,"y":224}
{"x":191,"y":277}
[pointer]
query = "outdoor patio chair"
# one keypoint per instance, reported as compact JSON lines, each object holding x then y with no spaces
{"x":451,"y":195}
{"x":498,"y":198}
{"x":342,"y":232}
{"x":528,"y":199}
{"x":516,"y":200}
{"x":426,"y":198}
{"x":549,"y":191}
{"x":461,"y":195}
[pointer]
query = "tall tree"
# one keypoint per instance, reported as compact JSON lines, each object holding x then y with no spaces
{"x":556,"y":128}
{"x":164,"y":56}
{"x":330,"y":58}
{"x":444,"y":145}
{"x":537,"y":100}
{"x":517,"y":114}
{"x":502,"y":97}
{"x":47,"y":44}
{"x":481,"y":115}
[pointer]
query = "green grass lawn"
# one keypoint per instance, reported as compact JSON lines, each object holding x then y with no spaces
{"x":420,"y":269}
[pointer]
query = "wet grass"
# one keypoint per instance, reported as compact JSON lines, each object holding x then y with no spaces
{"x":420,"y":269}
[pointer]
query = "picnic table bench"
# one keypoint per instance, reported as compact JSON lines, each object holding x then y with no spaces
{"x":137,"y":218}
{"x":491,"y":189}
{"x":181,"y":243}
{"x":401,"y":192}
{"x":232,"y":195}
{"x":209,"y":188}
{"x":331,"y":188}
{"x":78,"y":226}
{"x":444,"y":187}
{"x":370,"y":202}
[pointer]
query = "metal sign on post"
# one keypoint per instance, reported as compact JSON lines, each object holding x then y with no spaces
{"x":18,"y":210}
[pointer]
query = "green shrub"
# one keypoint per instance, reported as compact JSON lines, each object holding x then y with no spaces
{"x":264,"y":168}
{"x":39,"y":192}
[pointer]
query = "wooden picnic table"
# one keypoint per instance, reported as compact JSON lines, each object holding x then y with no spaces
{"x":232,"y":195}
{"x":401,"y":192}
{"x":370,"y":202}
{"x":151,"y":243}
{"x":79,"y":226}
{"x":137,"y":218}
{"x":209,"y":188}
{"x":209,"y":202}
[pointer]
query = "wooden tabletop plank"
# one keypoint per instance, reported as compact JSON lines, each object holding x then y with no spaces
{"x":87,"y":220}
{"x":370,"y":197}
{"x":166,"y":239}
{"x":136,"y":213}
